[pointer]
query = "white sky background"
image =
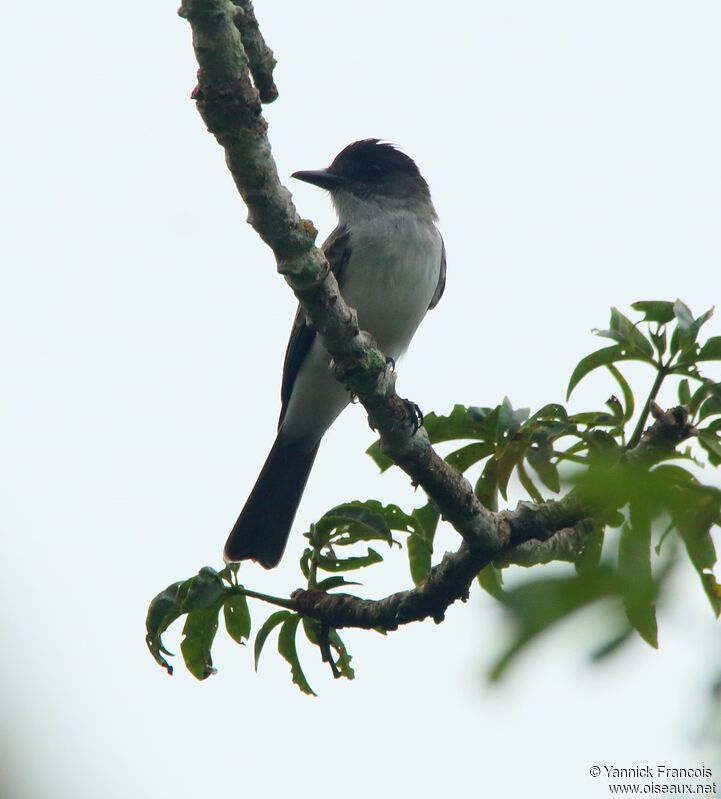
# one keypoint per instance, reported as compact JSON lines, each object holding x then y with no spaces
{"x":573,"y":154}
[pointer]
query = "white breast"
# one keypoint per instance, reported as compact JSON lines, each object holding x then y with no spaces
{"x":392,"y":275}
{"x":390,"y":279}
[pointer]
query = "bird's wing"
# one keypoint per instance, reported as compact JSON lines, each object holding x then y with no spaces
{"x":337,"y":250}
{"x":440,"y":288}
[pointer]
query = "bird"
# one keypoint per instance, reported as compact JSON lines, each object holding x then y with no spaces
{"x":389,"y":259}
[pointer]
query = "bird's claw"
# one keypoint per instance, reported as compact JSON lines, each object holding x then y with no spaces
{"x":415,"y":413}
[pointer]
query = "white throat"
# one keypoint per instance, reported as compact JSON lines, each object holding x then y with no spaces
{"x":353,"y":210}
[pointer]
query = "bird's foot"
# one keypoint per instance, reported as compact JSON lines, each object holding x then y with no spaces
{"x":415,"y":413}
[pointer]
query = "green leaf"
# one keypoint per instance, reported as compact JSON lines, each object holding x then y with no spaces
{"x":683,"y":315}
{"x":590,"y":556}
{"x":459,"y":424}
{"x":634,"y":563}
{"x":336,"y":581}
{"x":696,"y":510}
{"x":491,"y":580}
{"x":595,"y":419}
{"x":528,"y":484}
{"x":551,"y":411}
{"x":479,"y":424}
{"x":601,"y":445}
{"x":509,"y":419}
{"x":684,"y":392}
{"x":199,"y":632}
{"x":540,"y":460}
{"x":287,"y":649}
{"x":204,"y":590}
{"x":163,"y":611}
{"x":268,"y":626}
{"x":486,"y":488}
{"x":420,"y":546}
{"x":537,"y":605}
{"x":331,"y":564}
{"x":627,"y":334}
{"x":687,"y":330}
{"x":344,"y":659}
{"x":712,"y":444}
{"x":711,"y":350}
{"x":616,"y":407}
{"x":706,"y":389}
{"x":603,"y":357}
{"x":382,"y":461}
{"x":671,"y":474}
{"x":314,"y":633}
{"x":427,"y":517}
{"x":419,"y":559}
{"x":711,"y":407}
{"x":237,"y":617}
{"x":625,"y":390}
{"x":354,"y":521}
{"x":659,"y":340}
{"x":229,"y":573}
{"x":655,"y":310}
{"x":611,"y":646}
{"x":701,"y":321}
{"x":511,"y":457}
{"x":312,"y":630}
{"x":467,"y":456}
{"x":675,"y":341}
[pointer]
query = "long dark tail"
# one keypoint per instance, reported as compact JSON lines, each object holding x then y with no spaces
{"x":263,"y":526}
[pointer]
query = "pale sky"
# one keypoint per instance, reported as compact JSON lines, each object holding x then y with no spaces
{"x":572,"y":150}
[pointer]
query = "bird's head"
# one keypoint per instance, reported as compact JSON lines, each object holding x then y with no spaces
{"x":371,"y":173}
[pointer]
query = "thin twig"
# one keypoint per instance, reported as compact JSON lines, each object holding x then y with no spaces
{"x":643,"y":419}
{"x":260,"y":56}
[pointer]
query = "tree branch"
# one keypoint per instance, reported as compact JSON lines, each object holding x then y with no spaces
{"x":230,"y":105}
{"x":669,"y":429}
{"x":260,"y":56}
{"x":534,"y":534}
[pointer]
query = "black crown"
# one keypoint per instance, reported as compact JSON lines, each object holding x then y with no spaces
{"x":370,"y":160}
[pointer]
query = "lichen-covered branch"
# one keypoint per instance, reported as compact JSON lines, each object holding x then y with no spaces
{"x":669,"y":429}
{"x":234,"y":78}
{"x":230,"y":106}
{"x":260,"y":56}
{"x":448,"y":582}
{"x":563,"y":545}
{"x":534,"y":534}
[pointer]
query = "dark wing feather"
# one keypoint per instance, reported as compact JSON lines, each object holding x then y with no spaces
{"x":337,"y":250}
{"x":440,"y":288}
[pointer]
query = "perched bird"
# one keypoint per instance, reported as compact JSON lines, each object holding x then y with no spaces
{"x":389,"y":259}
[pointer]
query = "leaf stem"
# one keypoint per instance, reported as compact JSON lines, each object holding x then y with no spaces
{"x":313,"y":570}
{"x":569,"y":457}
{"x":289,"y":604}
{"x":638,"y":432}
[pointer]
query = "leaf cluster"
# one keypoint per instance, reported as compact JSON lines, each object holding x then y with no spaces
{"x":200,"y":599}
{"x":647,"y":513}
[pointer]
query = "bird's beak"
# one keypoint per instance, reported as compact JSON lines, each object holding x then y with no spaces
{"x":319,"y":177}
